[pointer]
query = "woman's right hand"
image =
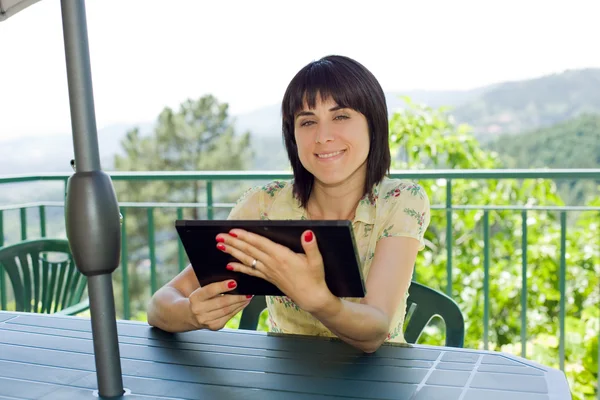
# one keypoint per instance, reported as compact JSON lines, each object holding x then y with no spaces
{"x":211,"y":308}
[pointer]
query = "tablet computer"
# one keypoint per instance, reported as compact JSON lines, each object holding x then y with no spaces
{"x":335,"y":239}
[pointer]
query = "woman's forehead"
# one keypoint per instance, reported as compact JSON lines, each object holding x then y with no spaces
{"x":318,"y":101}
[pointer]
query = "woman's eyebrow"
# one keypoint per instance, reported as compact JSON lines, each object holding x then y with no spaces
{"x":305,"y":113}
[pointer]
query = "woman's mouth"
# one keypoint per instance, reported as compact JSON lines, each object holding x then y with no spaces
{"x":330,"y":156}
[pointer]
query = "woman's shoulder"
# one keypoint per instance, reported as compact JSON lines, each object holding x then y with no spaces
{"x":276,"y":188}
{"x":265,"y":192}
{"x":394,"y":191}
{"x":403,"y":209}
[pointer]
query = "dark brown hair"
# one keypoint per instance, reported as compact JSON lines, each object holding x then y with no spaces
{"x":350,"y":85}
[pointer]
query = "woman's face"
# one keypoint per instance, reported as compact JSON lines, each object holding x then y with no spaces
{"x":333,"y":142}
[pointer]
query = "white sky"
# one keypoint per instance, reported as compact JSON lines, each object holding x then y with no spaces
{"x":147,"y":54}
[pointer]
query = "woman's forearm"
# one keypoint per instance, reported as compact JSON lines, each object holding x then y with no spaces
{"x":170,"y":311}
{"x":360,"y":325}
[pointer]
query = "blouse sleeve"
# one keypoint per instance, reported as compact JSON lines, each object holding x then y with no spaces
{"x":407,"y":213}
{"x":248,"y":206}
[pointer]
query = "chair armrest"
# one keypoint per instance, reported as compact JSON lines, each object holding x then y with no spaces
{"x":75,"y":309}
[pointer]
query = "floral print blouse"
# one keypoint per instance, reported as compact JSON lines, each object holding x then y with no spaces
{"x":398,"y":208}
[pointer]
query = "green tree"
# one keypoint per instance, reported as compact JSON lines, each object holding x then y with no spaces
{"x":198,"y":136}
{"x":422,"y":137}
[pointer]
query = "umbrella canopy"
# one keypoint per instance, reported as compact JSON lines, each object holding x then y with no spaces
{"x":91,"y":208}
{"x":8,"y":8}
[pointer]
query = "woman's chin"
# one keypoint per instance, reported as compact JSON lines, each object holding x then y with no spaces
{"x":332,"y":179}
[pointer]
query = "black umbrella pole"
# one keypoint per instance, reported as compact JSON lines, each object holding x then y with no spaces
{"x":91,"y":208}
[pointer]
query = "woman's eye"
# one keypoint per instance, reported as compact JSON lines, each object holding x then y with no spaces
{"x":307,"y":123}
{"x":341,"y":117}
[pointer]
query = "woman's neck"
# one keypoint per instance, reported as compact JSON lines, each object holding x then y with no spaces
{"x":335,"y":202}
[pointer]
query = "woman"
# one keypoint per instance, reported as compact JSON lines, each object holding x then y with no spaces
{"x":335,"y":129}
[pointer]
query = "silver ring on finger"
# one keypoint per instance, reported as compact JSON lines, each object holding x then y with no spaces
{"x":254,"y":263}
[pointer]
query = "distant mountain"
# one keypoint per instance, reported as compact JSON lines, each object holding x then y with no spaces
{"x":26,"y":155}
{"x":570,"y":144}
{"x":515,"y":107}
{"x":510,"y":107}
{"x":43,"y":154}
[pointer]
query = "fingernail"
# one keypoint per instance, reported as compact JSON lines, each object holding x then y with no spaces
{"x":231,"y":284}
{"x":229,"y":267}
{"x":221,"y":246}
{"x":220,"y":239}
{"x":249,"y":296}
{"x":308,"y":236}
{"x":233,"y":234}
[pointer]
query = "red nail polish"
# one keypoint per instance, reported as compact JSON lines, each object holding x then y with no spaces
{"x":229,"y":267}
{"x":231,"y":284}
{"x":308,"y":236}
{"x":249,"y":296}
{"x":233,"y":234}
{"x":221,"y":246}
{"x":220,"y":239}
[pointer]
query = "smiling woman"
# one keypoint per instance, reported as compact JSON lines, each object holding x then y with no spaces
{"x":335,"y":128}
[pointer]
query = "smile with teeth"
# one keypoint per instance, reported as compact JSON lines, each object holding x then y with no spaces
{"x":330,"y":155}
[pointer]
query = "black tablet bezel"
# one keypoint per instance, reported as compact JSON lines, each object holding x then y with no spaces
{"x":343,"y":273}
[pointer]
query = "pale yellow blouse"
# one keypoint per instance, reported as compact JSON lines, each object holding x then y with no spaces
{"x":400,"y":208}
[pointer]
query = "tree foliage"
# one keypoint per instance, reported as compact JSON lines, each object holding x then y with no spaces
{"x":422,"y":137}
{"x":199,"y":136}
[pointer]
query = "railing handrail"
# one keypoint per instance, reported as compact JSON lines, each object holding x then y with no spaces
{"x":579,"y":173}
{"x":151,"y":204}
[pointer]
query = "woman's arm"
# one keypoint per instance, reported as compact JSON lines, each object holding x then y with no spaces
{"x":366,"y":325}
{"x":169,"y":307}
{"x":183,"y":305}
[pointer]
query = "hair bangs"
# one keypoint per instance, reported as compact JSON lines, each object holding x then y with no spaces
{"x":323,"y":80}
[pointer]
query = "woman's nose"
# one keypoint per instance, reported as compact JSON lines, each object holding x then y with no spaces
{"x":324,"y":133}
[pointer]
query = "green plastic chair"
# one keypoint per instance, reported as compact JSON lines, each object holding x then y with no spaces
{"x":44,"y":277}
{"x":422,"y":305}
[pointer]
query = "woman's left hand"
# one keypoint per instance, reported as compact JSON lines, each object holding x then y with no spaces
{"x":300,"y":276}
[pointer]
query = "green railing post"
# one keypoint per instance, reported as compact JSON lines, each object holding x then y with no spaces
{"x":42,"y":221}
{"x":209,"y":200}
{"x":562,"y":283}
{"x":180,"y":249}
{"x":23,"y":212}
{"x":449,"y":237}
{"x":2,"y":275}
{"x":486,"y":278}
{"x":524,"y":284}
{"x":65,"y":184}
{"x":151,"y":246}
{"x":124,"y":272}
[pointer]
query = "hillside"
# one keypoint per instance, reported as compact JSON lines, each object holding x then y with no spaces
{"x":514,"y":107}
{"x":570,"y":144}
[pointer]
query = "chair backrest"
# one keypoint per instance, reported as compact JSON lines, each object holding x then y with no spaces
{"x":43,"y":275}
{"x":422,"y":305}
{"x":425,"y":303}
